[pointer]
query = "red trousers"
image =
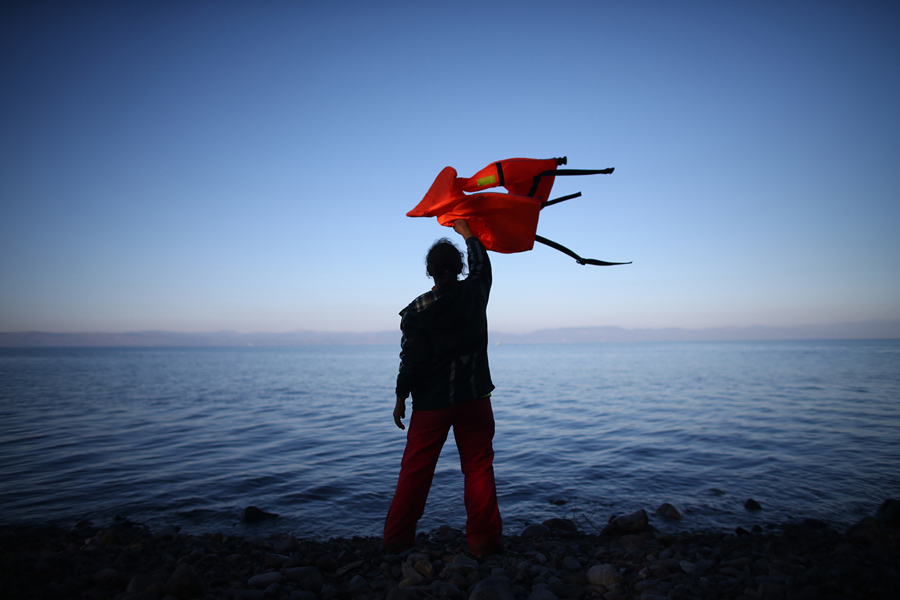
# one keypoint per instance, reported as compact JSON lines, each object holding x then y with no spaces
{"x":473,"y":428}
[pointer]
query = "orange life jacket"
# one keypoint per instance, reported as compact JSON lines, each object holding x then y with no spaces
{"x":504,"y":223}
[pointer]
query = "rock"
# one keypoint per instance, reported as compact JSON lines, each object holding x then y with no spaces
{"x":605,"y":575}
{"x":633,"y":541}
{"x":425,"y":568}
{"x":570,"y":563}
{"x":646,"y":585}
{"x":329,"y":592}
{"x":457,"y":569}
{"x":445,"y":532}
{"x":264,"y":580}
{"x":535,"y":529}
{"x":491,"y":588}
{"x":461,"y":565}
{"x":815,"y":523}
{"x":251,"y":514}
{"x":410,"y":575}
{"x":635,"y":522}
{"x":309,"y":578}
{"x":357,"y":586}
{"x":462,"y":559}
{"x":889,"y":513}
{"x":459,"y":581}
{"x":869,"y":529}
{"x":658,"y":569}
{"x":140,"y":582}
{"x":446,"y":590}
{"x":556,"y":524}
{"x":399,"y":593}
{"x":327,"y":564}
{"x":284,"y":545}
{"x":668,"y":511}
{"x":106,"y":576}
{"x":248,"y":594}
{"x":109,"y":538}
{"x":566,"y":590}
{"x":687,"y":566}
{"x":542,"y":594}
{"x":276,"y":561}
{"x":185,"y":583}
{"x":752,"y":504}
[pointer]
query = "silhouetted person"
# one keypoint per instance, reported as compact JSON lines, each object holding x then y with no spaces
{"x":444,"y":365}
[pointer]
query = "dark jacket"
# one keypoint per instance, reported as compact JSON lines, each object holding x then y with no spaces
{"x":443,"y":356}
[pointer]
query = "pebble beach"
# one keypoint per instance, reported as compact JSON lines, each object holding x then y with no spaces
{"x":556,"y":559}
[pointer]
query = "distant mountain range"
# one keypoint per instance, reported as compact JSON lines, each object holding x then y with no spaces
{"x":834,"y":331}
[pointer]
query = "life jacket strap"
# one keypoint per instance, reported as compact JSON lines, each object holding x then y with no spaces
{"x":564,"y":172}
{"x":558,"y":200}
{"x":578,"y":259}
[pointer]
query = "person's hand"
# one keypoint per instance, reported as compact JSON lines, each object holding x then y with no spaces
{"x":400,"y":412}
{"x":461,"y":227}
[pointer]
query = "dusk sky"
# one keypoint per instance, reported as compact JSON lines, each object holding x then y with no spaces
{"x":203,"y":166}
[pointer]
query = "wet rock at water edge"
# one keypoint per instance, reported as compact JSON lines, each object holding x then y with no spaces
{"x":445,"y":532}
{"x":813,"y":523}
{"x":752,"y":504}
{"x":535,"y":529}
{"x":889,"y":513}
{"x":558,"y":524}
{"x":251,"y":514}
{"x":668,"y":511}
{"x":636,"y":522}
{"x":866,"y":530}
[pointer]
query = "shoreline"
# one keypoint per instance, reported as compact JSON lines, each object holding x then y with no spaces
{"x":554,"y":560}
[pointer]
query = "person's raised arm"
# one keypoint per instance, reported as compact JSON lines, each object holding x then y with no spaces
{"x":462,"y":228}
{"x":479,"y":263}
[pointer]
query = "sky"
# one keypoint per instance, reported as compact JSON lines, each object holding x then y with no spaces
{"x":247,"y":166}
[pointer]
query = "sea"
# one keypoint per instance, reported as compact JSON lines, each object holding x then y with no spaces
{"x":189,"y":437}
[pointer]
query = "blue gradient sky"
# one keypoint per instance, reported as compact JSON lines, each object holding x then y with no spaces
{"x":198,"y":166}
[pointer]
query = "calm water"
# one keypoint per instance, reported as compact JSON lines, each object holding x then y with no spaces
{"x":189,"y":437}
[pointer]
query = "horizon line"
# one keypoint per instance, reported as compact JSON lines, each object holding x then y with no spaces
{"x":868,"y":322}
{"x":880,"y":329}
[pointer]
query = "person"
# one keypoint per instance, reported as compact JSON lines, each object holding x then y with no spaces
{"x":444,"y":365}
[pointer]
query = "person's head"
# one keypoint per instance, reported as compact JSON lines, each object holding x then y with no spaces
{"x":444,"y":262}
